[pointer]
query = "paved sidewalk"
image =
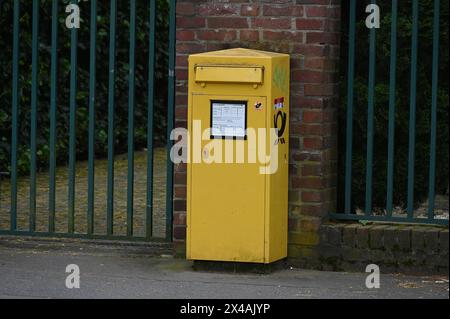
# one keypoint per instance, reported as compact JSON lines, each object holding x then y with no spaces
{"x":39,"y":272}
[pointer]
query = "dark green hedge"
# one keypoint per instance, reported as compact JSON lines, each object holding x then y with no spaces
{"x":121,"y":96}
{"x":402,"y":104}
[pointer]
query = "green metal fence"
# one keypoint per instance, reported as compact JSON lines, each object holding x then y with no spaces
{"x":13,"y":174}
{"x":368,"y":214}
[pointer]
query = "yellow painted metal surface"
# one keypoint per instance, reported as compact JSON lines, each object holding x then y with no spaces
{"x":225,"y":74}
{"x":234,"y":212}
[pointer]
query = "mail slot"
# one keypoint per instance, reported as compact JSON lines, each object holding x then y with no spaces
{"x":228,"y":74}
{"x":237,"y":172}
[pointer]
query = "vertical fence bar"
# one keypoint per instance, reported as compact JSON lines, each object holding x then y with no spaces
{"x":392,"y":96}
{"x":91,"y":156}
{"x":53,"y":102}
{"x":434,"y":94}
{"x":111,"y":105}
{"x":151,"y":77}
{"x":170,"y":124}
{"x":412,"y":108}
{"x":1,"y":100}
{"x":350,"y":97}
{"x":72,"y":124}
{"x":15,"y":115}
{"x":2,"y":82}
{"x":131,"y":101}
{"x":33,"y":124}
{"x":370,"y":120}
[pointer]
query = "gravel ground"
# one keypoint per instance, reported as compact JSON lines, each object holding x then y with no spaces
{"x":81,"y":195}
{"x":120,"y":198}
{"x":441,"y":209}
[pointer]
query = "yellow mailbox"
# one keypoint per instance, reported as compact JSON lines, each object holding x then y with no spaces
{"x":238,"y":124}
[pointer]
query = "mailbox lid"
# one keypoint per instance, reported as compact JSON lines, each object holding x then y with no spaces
{"x":229,"y":73}
{"x":239,"y":53}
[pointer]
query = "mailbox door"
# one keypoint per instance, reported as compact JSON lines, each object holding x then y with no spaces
{"x":227,"y":200}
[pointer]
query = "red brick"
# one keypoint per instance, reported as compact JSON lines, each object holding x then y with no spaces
{"x":179,"y":233}
{"x":317,"y":2}
{"x":294,"y":142}
{"x":185,"y":35}
{"x":230,"y":22}
{"x":180,"y":111}
{"x":179,"y":219}
{"x":181,"y":74}
{"x":293,"y":224}
{"x":313,"y":143}
{"x":311,"y":196}
{"x":249,"y":35}
{"x":283,"y":10}
{"x":312,"y":170}
{"x":322,"y":37}
{"x":306,"y":156}
{"x":332,"y":25}
{"x":180,"y":167}
{"x":306,"y":102}
{"x":295,"y":127}
{"x":181,"y":123}
{"x":308,"y":76}
{"x":315,"y":63}
{"x":316,"y":11}
{"x":313,"y":50}
{"x":307,"y":182}
{"x":309,"y":224}
{"x":293,"y":169}
{"x":179,"y":205}
{"x":308,"y":129}
{"x":185,"y":8}
{"x":180,"y":191}
{"x":250,"y":9}
{"x":315,"y":210}
{"x":217,"y":9}
{"x":181,"y":99}
{"x":309,"y":24}
{"x":334,"y":12}
{"x":190,"y":47}
{"x":180,"y":178}
{"x":214,"y":46}
{"x":280,"y":1}
{"x":312,"y":116}
{"x":283,"y":35}
{"x":181,"y":61}
{"x":272,"y":23}
{"x":297,"y":61}
{"x":218,"y":35}
{"x":319,"y":89}
{"x":190,"y":23}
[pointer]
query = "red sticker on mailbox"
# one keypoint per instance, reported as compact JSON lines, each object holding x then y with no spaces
{"x":278,"y":103}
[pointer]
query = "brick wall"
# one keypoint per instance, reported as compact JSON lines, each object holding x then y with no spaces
{"x":309,"y":31}
{"x":394,"y":248}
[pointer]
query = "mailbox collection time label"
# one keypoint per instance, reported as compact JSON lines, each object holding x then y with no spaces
{"x":228,"y":119}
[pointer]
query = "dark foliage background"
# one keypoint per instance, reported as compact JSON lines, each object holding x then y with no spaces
{"x":121,"y":95}
{"x":423,"y":114}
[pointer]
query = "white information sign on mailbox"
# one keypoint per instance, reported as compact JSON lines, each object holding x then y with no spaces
{"x":228,"y":119}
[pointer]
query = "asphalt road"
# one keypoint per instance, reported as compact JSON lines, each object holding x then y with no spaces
{"x":39,"y":272}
